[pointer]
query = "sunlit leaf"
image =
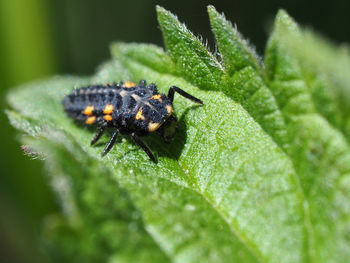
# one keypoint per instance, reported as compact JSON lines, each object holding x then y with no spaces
{"x":260,"y":173}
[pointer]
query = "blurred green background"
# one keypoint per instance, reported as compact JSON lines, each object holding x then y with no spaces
{"x":40,"y":38}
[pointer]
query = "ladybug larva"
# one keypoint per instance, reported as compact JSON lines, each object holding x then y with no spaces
{"x":129,"y":109}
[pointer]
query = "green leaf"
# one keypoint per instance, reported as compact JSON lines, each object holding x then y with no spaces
{"x":318,"y":149}
{"x":191,"y":195}
{"x":234,"y":49}
{"x":257,"y":174}
{"x":182,"y":45}
{"x":150,"y":56}
{"x":321,"y":66}
{"x":245,"y":86}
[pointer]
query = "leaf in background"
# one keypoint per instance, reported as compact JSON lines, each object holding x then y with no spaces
{"x":234,"y":49}
{"x":333,"y":62}
{"x":148,"y":55}
{"x":319,"y":151}
{"x":255,"y":175}
{"x":100,"y":214}
{"x":325,"y":70}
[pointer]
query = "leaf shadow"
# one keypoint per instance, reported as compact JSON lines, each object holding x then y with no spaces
{"x":158,"y":146}
{"x":174,"y":148}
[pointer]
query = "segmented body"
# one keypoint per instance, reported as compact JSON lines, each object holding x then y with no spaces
{"x":127,"y":106}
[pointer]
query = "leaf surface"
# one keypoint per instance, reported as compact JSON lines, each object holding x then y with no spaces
{"x":258,"y":174}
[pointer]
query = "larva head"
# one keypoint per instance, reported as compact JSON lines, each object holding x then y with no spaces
{"x":153,"y":113}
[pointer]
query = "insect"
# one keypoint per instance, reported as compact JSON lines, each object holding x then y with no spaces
{"x":129,"y":109}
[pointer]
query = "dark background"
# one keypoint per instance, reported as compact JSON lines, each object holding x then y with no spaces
{"x":41,"y":38}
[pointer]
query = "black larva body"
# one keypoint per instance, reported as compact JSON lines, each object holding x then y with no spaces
{"x":129,"y":108}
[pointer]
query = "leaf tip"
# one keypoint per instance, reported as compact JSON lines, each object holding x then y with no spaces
{"x":161,"y":11}
{"x":159,"y":8}
{"x":166,"y":18}
{"x":214,"y":14}
{"x":285,"y":21}
{"x":282,"y":14}
{"x":117,"y":47}
{"x":211,"y":9}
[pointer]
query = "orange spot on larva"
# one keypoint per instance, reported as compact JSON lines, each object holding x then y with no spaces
{"x":169,"y":109}
{"x":129,"y":84}
{"x":88,"y":110}
{"x":153,"y":126}
{"x":139,"y":115}
{"x":107,"y":117}
{"x":90,"y":120}
{"x":108,"y":109}
{"x":156,"y":97}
